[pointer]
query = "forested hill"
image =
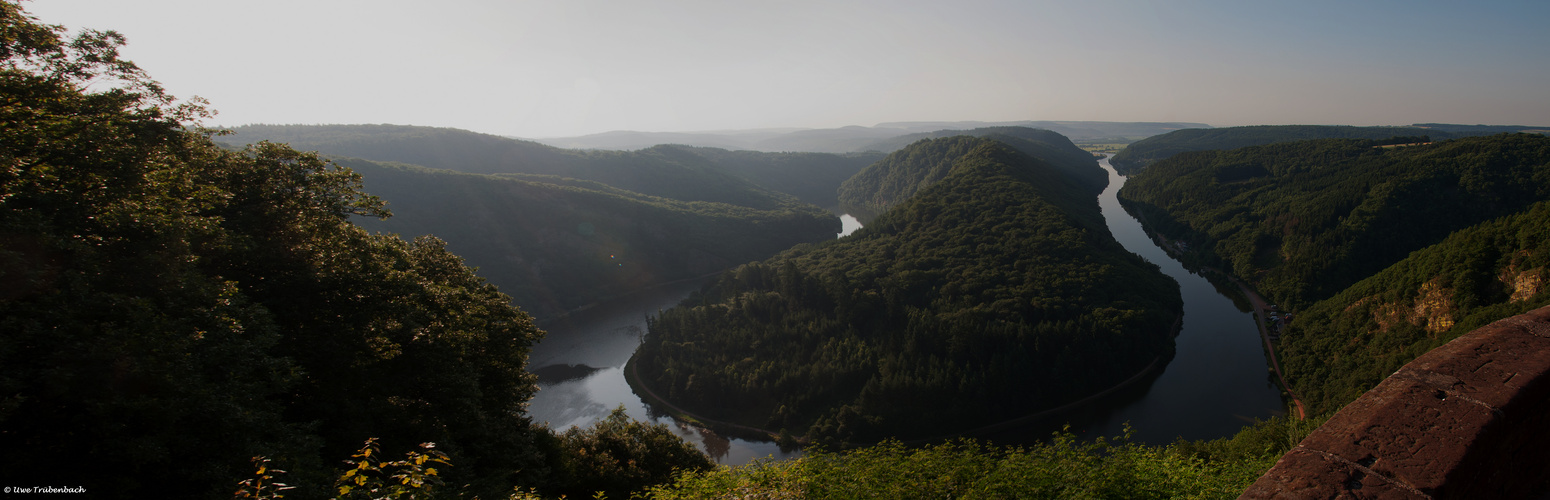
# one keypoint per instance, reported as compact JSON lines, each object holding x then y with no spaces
{"x":555,"y":244}
{"x":1304,"y":220}
{"x":811,"y":177}
{"x":1140,"y":154}
{"x":904,"y":172}
{"x":994,"y":292}
{"x":1057,"y":145}
{"x":1338,"y":348}
{"x":668,"y":172}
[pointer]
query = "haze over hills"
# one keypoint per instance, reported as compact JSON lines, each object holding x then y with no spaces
{"x":561,"y":229}
{"x":856,"y":138}
{"x":557,"y":244}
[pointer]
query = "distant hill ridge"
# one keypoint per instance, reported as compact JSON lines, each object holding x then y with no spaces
{"x":556,"y":244}
{"x":855,"y":138}
{"x":1140,"y":154}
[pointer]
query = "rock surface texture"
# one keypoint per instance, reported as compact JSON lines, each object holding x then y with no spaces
{"x":1470,"y":419}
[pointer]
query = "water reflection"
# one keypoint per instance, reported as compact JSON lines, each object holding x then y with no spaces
{"x":580,"y":365}
{"x":1217,"y":381}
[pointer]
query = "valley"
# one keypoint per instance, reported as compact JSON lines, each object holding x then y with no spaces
{"x":197,"y":307}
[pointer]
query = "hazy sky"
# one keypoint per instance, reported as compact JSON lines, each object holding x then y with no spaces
{"x":571,"y":67}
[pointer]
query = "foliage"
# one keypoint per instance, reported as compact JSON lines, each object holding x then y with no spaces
{"x":618,"y":456}
{"x":172,"y":307}
{"x":1339,"y":348}
{"x":958,"y":308}
{"x":1305,"y":220}
{"x":1145,"y":152}
{"x":1062,"y":468}
{"x":372,"y":478}
{"x":263,"y":484}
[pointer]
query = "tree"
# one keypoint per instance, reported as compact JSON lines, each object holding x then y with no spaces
{"x":172,"y":308}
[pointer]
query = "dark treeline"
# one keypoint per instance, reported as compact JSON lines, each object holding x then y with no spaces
{"x":555,"y":244}
{"x":1304,"y":220}
{"x":1339,"y":348}
{"x":170,"y":309}
{"x":994,"y":292}
{"x":1145,"y":152}
{"x":905,"y":172}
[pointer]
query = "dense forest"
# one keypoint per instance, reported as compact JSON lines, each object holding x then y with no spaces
{"x":905,"y":172}
{"x":992,"y":293}
{"x":556,"y":244}
{"x":172,"y":309}
{"x":1142,"y":153}
{"x":1337,"y":348}
{"x":1305,"y":220}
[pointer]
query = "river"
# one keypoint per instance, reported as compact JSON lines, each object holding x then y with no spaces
{"x":1216,"y":382}
{"x":1219,"y":378}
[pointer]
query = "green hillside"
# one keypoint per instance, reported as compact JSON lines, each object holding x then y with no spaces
{"x":994,"y":292}
{"x":902,"y":173}
{"x":1338,"y":348}
{"x":1304,"y":220}
{"x":555,"y":244}
{"x":1142,"y":153}
{"x":811,"y":177}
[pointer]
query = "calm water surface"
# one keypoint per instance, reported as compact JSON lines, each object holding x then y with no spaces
{"x":580,"y":367}
{"x":1216,"y":382}
{"x":1219,"y":378}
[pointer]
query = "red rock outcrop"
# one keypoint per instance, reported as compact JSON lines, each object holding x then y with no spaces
{"x":1470,"y":419}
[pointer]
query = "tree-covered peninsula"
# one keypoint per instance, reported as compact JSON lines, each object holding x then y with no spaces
{"x":1304,"y":220}
{"x":992,"y":293}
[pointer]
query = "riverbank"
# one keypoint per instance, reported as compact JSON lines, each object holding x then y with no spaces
{"x":1259,"y":307}
{"x":1261,"y":311}
{"x":632,"y":377}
